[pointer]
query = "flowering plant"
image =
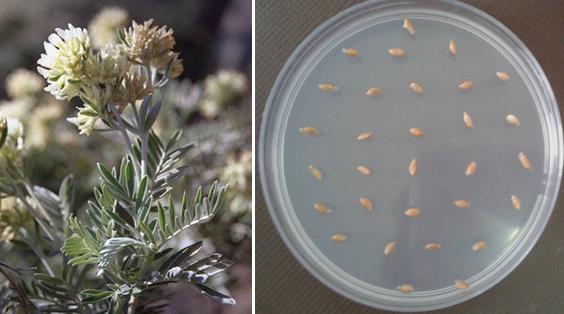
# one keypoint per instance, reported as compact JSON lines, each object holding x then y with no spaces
{"x":117,"y":258}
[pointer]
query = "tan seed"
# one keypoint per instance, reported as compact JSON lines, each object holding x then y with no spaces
{"x":432,"y":246}
{"x":478,"y":246}
{"x":502,"y":76}
{"x":525,"y":161}
{"x":373,"y":91}
{"x":516,"y":202}
{"x":339,"y":238}
{"x":468,"y":120}
{"x":316,"y":172}
{"x":351,"y":52}
{"x":328,"y":87}
{"x":513,"y":120}
{"x":389,"y":248}
{"x":408,"y":26}
{"x":462,"y":204}
{"x":471,"y":168}
{"x":406,"y":288}
{"x":452,"y":47}
{"x":309,"y":130}
{"x":322,"y":208}
{"x":397,"y":52}
{"x":364,"y":170}
{"x":416,"y":88}
{"x":417,"y":132}
{"x":365,"y":203}
{"x":364,"y":136}
{"x":466,"y":85}
{"x":462,"y":285}
{"x":413,"y":167}
{"x":413,"y":212}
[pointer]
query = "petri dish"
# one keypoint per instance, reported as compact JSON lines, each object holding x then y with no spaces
{"x":506,"y":201}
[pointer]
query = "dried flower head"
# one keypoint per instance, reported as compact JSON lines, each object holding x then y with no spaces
{"x":23,"y":83}
{"x":133,"y":88}
{"x":105,"y":26}
{"x":152,"y":46}
{"x":62,"y":64}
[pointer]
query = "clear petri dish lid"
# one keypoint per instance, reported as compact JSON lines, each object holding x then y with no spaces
{"x":479,"y":223}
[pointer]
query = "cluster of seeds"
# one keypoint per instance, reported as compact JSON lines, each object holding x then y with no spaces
{"x":417,"y":132}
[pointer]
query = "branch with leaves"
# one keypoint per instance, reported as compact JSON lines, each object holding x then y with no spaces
{"x":117,"y":257}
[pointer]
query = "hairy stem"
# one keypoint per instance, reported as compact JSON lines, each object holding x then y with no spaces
{"x":125,"y":137}
{"x":132,"y":305}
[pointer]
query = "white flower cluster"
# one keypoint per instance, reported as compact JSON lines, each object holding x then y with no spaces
{"x":221,"y":90}
{"x":12,"y":150}
{"x":112,"y":75}
{"x":238,"y":173}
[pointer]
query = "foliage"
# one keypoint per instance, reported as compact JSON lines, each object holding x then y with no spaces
{"x":117,"y":257}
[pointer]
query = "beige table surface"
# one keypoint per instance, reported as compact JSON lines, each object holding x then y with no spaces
{"x":284,"y":286}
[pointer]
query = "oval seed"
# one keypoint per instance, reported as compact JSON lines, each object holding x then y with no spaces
{"x":309,"y":130}
{"x":462,"y":204}
{"x":516,"y":202}
{"x":373,"y":91}
{"x":413,"y":212}
{"x":452,"y":47}
{"x":365,"y":203}
{"x":328,"y":87}
{"x":462,"y":285}
{"x":339,"y":238}
{"x":322,"y":208}
{"x":413,"y":167}
{"x":471,"y":168}
{"x":478,"y":246}
{"x":513,"y":120}
{"x":397,"y":52}
{"x":466,"y":84}
{"x":364,"y":136}
{"x":502,"y":76}
{"x":417,"y":132}
{"x":389,"y":248}
{"x":316,"y":172}
{"x":416,"y":88}
{"x":408,"y":26}
{"x":432,"y":246}
{"x":406,"y":288}
{"x":468,"y":120}
{"x":351,"y":52}
{"x":525,"y":161}
{"x":364,"y":170}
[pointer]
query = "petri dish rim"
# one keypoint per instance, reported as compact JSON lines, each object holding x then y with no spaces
{"x":271,"y":140}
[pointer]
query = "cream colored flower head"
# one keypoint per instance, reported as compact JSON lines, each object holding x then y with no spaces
{"x":239,"y":171}
{"x":105,"y":26}
{"x":62,"y":64}
{"x":225,"y":84}
{"x":40,"y":125}
{"x":107,"y":67}
{"x":152,"y":46}
{"x":13,"y":215}
{"x":95,"y":100}
{"x":13,"y":149}
{"x":23,"y":83}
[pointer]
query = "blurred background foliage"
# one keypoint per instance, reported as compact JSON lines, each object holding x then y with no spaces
{"x":210,"y":101}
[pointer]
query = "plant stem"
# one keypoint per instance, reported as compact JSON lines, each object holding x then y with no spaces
{"x":125,"y":137}
{"x":133,"y":302}
{"x":38,"y":219}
